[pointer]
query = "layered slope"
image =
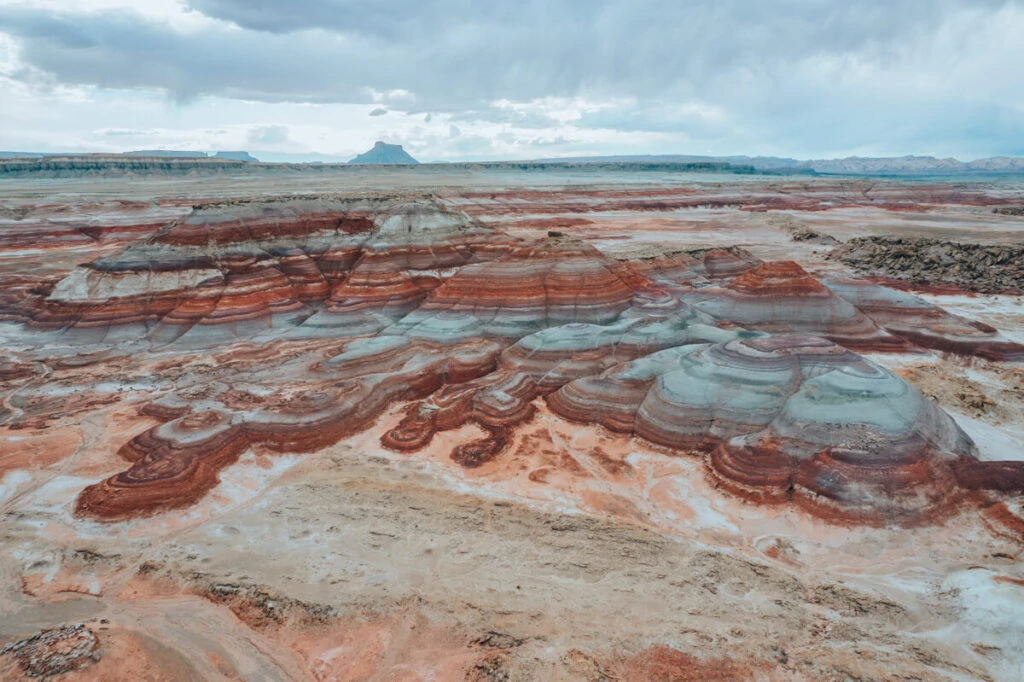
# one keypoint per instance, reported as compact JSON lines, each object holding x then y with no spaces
{"x":401,"y":302}
{"x":790,"y":418}
{"x":781,"y":297}
{"x":924,"y":324}
{"x":231,"y":271}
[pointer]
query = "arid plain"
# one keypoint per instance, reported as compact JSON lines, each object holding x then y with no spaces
{"x":417,"y":424}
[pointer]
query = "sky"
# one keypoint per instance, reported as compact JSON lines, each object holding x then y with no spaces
{"x":456,"y":80}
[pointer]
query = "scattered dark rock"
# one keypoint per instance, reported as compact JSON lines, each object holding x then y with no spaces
{"x":148,"y":567}
{"x":492,"y":669}
{"x":1009,"y":210}
{"x":933,"y":262}
{"x":499,"y":640}
{"x":259,"y":607}
{"x":586,"y":667}
{"x":804,"y":234}
{"x":55,"y":651}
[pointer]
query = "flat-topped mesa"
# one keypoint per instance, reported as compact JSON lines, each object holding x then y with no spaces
{"x":924,"y":324}
{"x":690,"y":268}
{"x":384,"y":153}
{"x":665,"y":268}
{"x":780,"y":297}
{"x":793,"y":418}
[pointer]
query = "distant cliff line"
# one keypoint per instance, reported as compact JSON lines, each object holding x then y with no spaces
{"x":853,"y":165}
{"x":118,"y":165}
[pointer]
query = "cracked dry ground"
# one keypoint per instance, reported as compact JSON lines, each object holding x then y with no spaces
{"x":446,"y":531}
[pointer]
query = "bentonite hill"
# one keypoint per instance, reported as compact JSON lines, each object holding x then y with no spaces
{"x":558,"y":424}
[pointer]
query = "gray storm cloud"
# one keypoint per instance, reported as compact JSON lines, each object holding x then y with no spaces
{"x":786,"y":68}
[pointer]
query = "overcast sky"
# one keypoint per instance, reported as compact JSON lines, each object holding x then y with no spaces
{"x":472,"y":79}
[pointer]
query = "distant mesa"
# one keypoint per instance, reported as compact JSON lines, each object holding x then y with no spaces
{"x":385,"y":153}
{"x":235,"y":156}
{"x":185,"y":154}
{"x":168,"y":153}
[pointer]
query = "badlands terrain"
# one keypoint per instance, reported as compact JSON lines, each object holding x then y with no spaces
{"x":428,"y":424}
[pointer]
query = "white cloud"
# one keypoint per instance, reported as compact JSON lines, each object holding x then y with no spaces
{"x":174,"y":13}
{"x":555,"y":78}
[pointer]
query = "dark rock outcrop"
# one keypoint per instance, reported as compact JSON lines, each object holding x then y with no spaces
{"x":934,"y":262}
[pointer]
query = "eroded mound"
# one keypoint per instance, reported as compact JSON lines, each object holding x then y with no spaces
{"x":780,"y":297}
{"x":786,"y":418}
{"x":357,"y":305}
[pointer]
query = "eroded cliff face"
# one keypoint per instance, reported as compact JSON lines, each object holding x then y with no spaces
{"x":397,"y":392}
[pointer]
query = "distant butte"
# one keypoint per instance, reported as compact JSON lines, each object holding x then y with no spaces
{"x":384,"y":153}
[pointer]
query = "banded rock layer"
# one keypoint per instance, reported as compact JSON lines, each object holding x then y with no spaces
{"x":788,"y":418}
{"x":751,"y":365}
{"x":781,"y":297}
{"x":924,"y":324}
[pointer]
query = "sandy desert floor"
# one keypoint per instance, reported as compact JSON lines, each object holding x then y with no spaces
{"x":576,"y":553}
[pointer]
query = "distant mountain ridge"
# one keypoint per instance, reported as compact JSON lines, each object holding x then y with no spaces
{"x":850,"y":165}
{"x":385,"y":153}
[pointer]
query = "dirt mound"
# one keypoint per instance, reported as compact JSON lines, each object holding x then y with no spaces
{"x":971,"y":267}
